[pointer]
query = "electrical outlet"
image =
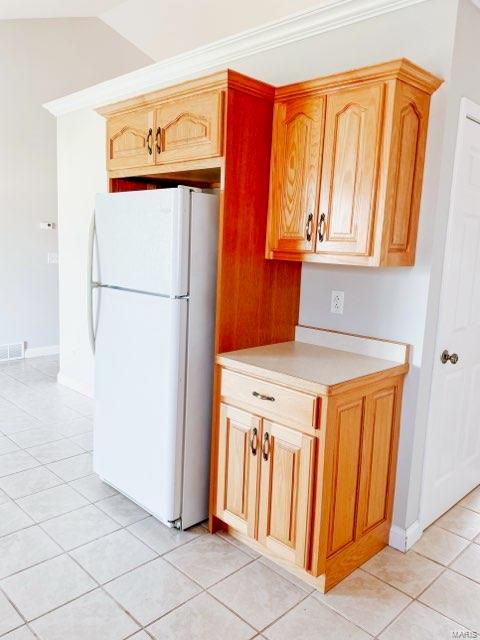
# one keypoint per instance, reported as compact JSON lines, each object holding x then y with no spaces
{"x":336,"y":305}
{"x":52,"y":258}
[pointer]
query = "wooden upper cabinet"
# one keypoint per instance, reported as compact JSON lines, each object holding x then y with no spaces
{"x":372,"y":138}
{"x":189,"y":127}
{"x":130,"y":140}
{"x":352,"y":140}
{"x":285,"y":491}
{"x":295,"y":174}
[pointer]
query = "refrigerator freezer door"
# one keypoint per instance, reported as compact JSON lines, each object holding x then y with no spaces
{"x":139,"y":392}
{"x":142,"y":240}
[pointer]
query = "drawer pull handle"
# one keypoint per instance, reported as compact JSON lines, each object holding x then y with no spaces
{"x":253,"y":441}
{"x":266,"y":446}
{"x":261,"y":396}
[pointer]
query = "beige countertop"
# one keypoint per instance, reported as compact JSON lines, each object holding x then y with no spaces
{"x":320,"y":367}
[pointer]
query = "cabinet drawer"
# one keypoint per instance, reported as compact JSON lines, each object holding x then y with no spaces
{"x":270,"y":400}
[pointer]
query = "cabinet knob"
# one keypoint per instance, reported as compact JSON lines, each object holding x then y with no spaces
{"x":321,"y":228}
{"x":308,"y":227}
{"x":149,"y":141}
{"x":266,"y":446}
{"x":445,"y":357}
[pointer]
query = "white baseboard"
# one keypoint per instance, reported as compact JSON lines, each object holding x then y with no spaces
{"x":75,"y":385}
{"x":404,"y":539}
{"x":36,"y":352}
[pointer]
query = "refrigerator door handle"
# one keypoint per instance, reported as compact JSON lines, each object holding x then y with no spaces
{"x":91,"y":285}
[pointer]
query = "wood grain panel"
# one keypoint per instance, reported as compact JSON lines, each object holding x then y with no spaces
{"x":237,"y":470}
{"x":405,"y":177}
{"x":289,"y":405}
{"x":130,"y":140}
{"x":344,"y":481}
{"x":353,"y":128}
{"x":257,"y":299}
{"x":285,"y":491}
{"x":295,"y":174}
{"x":376,"y":458}
{"x":189,"y":127}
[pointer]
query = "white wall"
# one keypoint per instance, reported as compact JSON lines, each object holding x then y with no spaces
{"x":163,"y":29}
{"x":79,"y":179}
{"x":390,"y":303}
{"x":40,"y":60}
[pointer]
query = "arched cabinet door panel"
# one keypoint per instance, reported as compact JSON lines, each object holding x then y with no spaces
{"x":130,"y":140}
{"x":351,"y":154}
{"x":295,"y":175}
{"x":189,"y":128}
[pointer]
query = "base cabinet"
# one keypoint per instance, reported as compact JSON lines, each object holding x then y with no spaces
{"x":264,"y":481}
{"x":317,"y":497}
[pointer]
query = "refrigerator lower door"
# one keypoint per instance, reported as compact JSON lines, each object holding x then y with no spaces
{"x":139,"y":391}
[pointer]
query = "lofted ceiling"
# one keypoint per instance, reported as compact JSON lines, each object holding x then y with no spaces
{"x":25,"y":9}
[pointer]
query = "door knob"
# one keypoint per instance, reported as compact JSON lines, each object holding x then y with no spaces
{"x":445,"y":357}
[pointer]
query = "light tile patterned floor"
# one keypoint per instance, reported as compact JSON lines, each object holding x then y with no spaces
{"x":78,"y":561}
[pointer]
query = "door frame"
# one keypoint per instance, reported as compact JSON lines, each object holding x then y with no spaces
{"x":468,"y":110}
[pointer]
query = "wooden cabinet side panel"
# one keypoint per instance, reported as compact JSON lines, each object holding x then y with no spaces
{"x":295,"y":174}
{"x":405,"y":175}
{"x":257,"y":299}
{"x":343,"y":483}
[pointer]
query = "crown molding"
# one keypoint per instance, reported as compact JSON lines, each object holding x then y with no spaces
{"x":223,"y":53}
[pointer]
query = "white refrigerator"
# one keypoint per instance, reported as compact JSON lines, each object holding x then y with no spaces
{"x":153,"y":257}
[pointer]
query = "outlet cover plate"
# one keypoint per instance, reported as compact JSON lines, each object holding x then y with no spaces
{"x":336,"y":304}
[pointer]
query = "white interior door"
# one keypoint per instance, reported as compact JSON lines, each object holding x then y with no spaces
{"x":139,"y":397}
{"x":452,"y":456}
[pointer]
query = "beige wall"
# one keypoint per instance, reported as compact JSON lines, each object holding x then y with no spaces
{"x":41,"y":60}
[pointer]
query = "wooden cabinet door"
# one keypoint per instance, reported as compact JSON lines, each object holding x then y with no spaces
{"x":295,"y":174}
{"x":351,"y":148}
{"x":189,"y":128}
{"x":379,"y":450}
{"x":130,"y":140}
{"x":285,"y":491}
{"x":238,"y":464}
